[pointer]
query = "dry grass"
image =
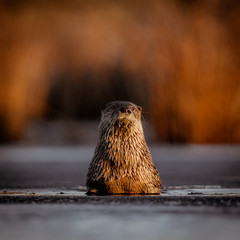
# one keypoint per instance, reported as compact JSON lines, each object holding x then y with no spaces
{"x":179,"y":59}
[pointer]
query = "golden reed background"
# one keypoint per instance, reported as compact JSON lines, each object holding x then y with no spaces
{"x":179,"y":59}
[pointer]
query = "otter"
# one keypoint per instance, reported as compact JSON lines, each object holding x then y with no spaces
{"x":122,"y":163}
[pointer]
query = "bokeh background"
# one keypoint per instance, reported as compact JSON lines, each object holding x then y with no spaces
{"x":62,"y":60}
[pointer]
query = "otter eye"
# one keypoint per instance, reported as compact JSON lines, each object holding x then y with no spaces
{"x":127,"y":110}
{"x":122,"y":110}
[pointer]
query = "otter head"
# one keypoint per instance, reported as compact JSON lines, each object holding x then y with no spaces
{"x":120,"y":116}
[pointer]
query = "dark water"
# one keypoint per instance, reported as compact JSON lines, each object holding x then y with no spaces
{"x":24,"y":167}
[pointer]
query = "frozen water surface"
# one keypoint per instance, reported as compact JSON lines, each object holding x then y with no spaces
{"x":200,"y":196}
{"x":114,"y":221}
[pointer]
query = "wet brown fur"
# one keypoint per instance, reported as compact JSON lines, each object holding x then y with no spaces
{"x":122,"y":163}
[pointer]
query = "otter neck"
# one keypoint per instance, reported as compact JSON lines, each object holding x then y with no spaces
{"x":123,"y":145}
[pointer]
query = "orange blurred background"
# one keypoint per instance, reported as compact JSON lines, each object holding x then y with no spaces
{"x":178,"y":59}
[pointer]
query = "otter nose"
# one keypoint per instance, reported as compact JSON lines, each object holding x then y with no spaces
{"x":126,"y":110}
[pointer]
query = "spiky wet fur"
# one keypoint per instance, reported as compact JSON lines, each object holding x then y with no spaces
{"x":122,"y":163}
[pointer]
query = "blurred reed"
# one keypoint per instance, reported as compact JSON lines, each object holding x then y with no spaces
{"x":179,"y":59}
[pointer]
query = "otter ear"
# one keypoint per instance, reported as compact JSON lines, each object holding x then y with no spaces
{"x":139,"y":109}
